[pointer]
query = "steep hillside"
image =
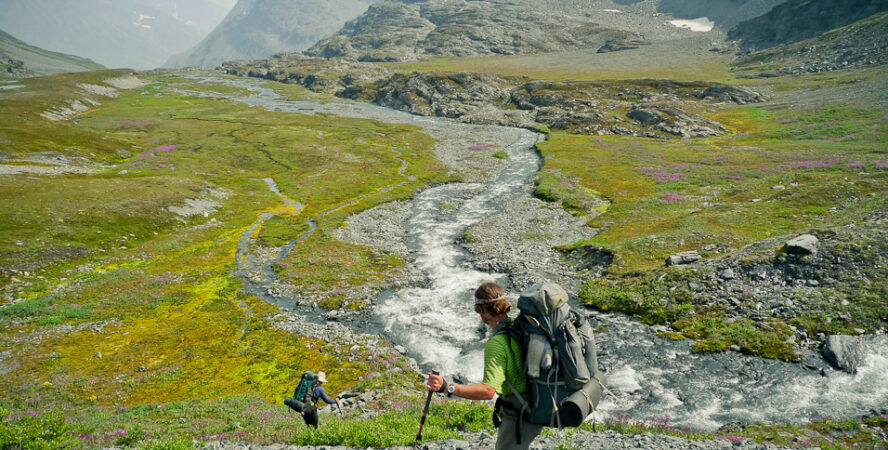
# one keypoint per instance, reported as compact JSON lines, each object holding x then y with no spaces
{"x":413,"y":30}
{"x":394,"y":31}
{"x":261,"y":28}
{"x":122,"y":33}
{"x":725,"y":13}
{"x":202,"y":15}
{"x":796,"y":20}
{"x":18,"y":59}
{"x":859,"y":45}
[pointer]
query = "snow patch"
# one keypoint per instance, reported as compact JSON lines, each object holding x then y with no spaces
{"x":613,"y":10}
{"x":141,"y":18}
{"x":700,"y":24}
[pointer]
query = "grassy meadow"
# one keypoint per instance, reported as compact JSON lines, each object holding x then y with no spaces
{"x":112,"y":300}
{"x":657,"y":61}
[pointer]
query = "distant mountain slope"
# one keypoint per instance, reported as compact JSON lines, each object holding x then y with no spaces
{"x":859,"y":45}
{"x":796,"y":20}
{"x":260,"y":28}
{"x":202,"y":15}
{"x":396,"y":31}
{"x":725,"y":13}
{"x":18,"y":59}
{"x":115,"y":33}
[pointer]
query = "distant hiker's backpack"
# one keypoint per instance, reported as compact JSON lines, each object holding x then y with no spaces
{"x":301,"y":400}
{"x":561,"y":362}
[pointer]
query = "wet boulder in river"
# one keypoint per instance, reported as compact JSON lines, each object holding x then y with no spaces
{"x":849,"y":353}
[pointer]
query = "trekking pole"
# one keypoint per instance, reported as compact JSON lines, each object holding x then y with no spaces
{"x":340,"y":408}
{"x":425,"y":413}
{"x":609,"y":391}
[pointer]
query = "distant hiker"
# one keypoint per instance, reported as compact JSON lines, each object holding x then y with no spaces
{"x":544,"y":364}
{"x":305,"y":397}
{"x":503,"y":371}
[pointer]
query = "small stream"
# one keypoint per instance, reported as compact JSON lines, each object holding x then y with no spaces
{"x":653,"y":377}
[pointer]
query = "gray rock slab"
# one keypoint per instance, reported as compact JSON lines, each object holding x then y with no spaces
{"x":805,"y":244}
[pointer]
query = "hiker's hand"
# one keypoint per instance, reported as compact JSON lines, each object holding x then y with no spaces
{"x":435,"y":382}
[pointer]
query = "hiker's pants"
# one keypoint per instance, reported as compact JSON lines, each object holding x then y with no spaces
{"x":311,"y":417}
{"x":507,"y":438}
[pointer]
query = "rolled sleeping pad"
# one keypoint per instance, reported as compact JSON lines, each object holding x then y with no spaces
{"x":575,"y":408}
{"x":295,"y":405}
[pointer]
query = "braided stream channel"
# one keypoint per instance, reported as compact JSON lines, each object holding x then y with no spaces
{"x":652,"y":376}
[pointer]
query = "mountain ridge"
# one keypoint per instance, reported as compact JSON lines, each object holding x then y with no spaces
{"x":123,"y":33}
{"x":19,"y":59}
{"x":268,"y":27}
{"x":796,"y":20}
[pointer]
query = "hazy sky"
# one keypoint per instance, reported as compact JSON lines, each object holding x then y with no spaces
{"x":137,"y":34}
{"x":226,"y":3}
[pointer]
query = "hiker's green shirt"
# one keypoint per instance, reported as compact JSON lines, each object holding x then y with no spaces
{"x":504,"y":361}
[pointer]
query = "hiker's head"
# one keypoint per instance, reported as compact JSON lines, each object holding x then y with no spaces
{"x":491,"y":300}
{"x":322,"y":377}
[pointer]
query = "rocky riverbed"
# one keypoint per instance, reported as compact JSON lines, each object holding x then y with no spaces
{"x":604,"y":440}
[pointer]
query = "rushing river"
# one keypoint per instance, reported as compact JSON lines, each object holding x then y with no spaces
{"x":653,"y":377}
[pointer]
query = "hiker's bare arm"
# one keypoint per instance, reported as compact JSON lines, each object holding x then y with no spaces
{"x":466,"y":391}
{"x":474,"y":391}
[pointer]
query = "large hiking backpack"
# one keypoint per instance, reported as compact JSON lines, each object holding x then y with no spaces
{"x":301,"y":400}
{"x":561,"y":361}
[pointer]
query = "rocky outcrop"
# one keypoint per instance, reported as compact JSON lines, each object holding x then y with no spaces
{"x":805,"y":244}
{"x":728,"y":93}
{"x":452,"y":95}
{"x":331,"y":76}
{"x":396,"y":31}
{"x":683,"y":258}
{"x":616,"y":45}
{"x":579,"y":107}
{"x":675,"y":121}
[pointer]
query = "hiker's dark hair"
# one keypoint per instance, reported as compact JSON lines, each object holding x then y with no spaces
{"x":491,"y":290}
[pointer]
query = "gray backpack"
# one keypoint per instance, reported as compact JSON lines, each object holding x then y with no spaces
{"x":561,"y":362}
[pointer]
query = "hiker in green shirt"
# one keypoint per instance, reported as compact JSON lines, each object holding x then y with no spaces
{"x":503,"y":372}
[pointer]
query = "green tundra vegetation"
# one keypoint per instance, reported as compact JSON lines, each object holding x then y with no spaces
{"x":119,"y":301}
{"x":783,"y":169}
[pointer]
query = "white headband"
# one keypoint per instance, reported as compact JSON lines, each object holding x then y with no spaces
{"x":482,"y":301}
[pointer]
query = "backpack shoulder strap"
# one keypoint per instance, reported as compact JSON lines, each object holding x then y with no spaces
{"x":511,"y":329}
